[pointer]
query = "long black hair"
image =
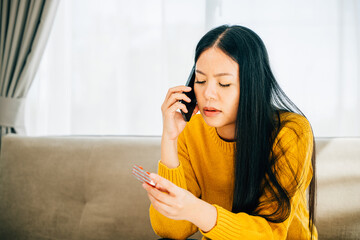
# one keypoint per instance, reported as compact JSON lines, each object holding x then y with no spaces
{"x":257,"y":125}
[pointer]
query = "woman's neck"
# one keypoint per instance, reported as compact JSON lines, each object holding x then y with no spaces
{"x":226,"y":133}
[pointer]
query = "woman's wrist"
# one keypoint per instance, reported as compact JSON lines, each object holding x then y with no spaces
{"x":204,"y":216}
{"x":169,"y":155}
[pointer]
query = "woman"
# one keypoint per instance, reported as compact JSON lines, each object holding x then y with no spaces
{"x":240,"y":169}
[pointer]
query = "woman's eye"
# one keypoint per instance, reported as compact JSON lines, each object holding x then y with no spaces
{"x":199,"y":82}
{"x":224,"y":85}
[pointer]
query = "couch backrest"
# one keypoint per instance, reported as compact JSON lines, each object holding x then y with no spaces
{"x":338,"y":198}
{"x":82,"y":187}
{"x":75,"y":187}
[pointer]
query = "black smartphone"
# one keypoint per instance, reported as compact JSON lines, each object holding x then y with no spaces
{"x":191,"y":105}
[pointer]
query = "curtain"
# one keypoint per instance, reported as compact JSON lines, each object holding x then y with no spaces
{"x":107,"y":67}
{"x":24,"y":29}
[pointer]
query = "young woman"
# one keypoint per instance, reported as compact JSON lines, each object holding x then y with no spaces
{"x":240,"y":169}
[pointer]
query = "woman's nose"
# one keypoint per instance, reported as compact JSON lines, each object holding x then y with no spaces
{"x":210,"y":91}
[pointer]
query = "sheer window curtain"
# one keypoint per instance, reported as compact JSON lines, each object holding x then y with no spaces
{"x":107,"y":68}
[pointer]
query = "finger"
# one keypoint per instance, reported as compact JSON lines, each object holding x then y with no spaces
{"x":177,"y":89}
{"x":175,"y":98}
{"x":155,"y":196}
{"x":164,"y":183}
{"x":165,"y":198}
{"x":179,"y":96}
{"x":160,"y":188}
{"x":160,"y":207}
{"x":176,"y":106}
{"x":147,"y":187}
{"x":151,"y":196}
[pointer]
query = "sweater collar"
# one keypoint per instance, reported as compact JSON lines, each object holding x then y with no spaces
{"x":227,"y":147}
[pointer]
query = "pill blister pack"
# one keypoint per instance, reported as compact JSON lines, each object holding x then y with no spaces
{"x":142,"y":175}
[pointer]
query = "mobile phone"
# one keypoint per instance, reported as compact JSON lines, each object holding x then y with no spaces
{"x":142,"y":175}
{"x":191,"y":105}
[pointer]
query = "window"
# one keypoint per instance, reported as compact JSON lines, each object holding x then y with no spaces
{"x":107,"y":67}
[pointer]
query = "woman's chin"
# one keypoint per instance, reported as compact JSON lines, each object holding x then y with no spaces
{"x":212,"y":121}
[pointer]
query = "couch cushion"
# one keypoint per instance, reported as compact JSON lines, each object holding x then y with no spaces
{"x":338,"y":174}
{"x":74,"y":187}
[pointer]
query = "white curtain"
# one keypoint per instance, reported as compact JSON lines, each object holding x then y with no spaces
{"x":107,"y":67}
{"x":24,"y":31}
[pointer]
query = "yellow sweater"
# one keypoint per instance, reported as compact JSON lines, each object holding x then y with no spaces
{"x":207,"y":170}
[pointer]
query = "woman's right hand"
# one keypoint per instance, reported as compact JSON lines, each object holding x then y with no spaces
{"x":173,"y":122}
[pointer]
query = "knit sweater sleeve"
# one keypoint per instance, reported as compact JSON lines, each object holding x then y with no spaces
{"x":184,"y":177}
{"x":295,"y":157}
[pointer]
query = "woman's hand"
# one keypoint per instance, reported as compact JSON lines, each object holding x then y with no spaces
{"x":170,"y":200}
{"x":179,"y":204}
{"x":173,"y":122}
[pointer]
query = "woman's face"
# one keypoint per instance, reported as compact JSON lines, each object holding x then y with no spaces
{"x":217,"y":90}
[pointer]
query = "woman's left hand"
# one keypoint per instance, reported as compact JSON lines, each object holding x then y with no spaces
{"x":170,"y":200}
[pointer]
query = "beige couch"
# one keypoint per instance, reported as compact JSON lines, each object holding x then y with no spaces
{"x":82,"y":188}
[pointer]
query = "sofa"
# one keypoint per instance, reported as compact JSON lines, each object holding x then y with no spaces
{"x":81,"y":187}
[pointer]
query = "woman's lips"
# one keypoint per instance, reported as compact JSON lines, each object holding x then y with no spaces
{"x":211,"y":112}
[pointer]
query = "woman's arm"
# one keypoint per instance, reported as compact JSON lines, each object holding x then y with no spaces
{"x":169,"y":155}
{"x":174,"y":166}
{"x":173,"y":124}
{"x":170,"y":166}
{"x":183,"y":177}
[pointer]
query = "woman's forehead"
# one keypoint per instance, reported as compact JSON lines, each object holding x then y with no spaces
{"x":215,"y":61}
